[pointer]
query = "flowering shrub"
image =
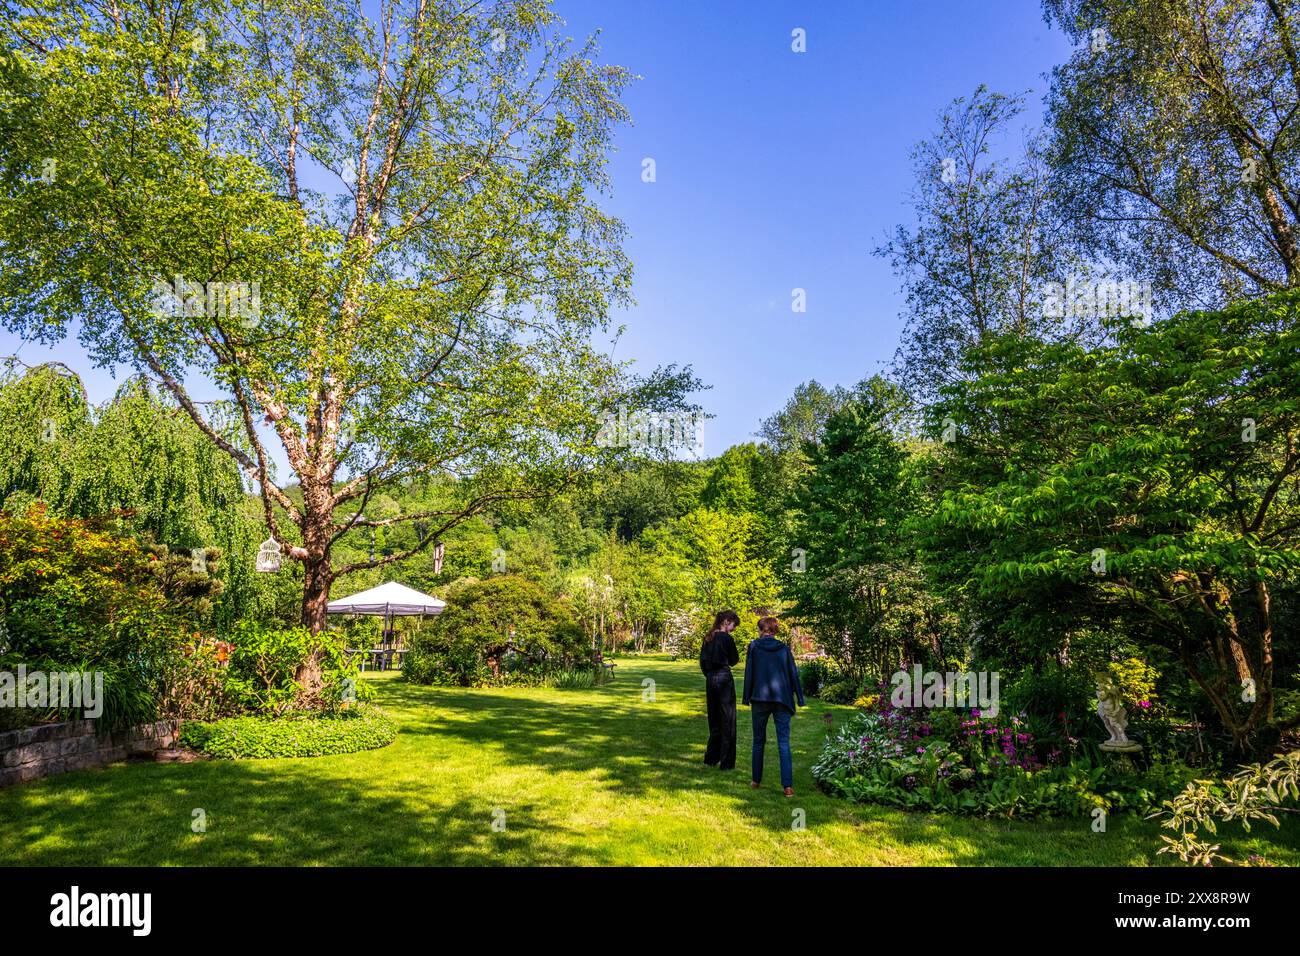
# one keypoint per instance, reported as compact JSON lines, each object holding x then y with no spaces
{"x":968,"y":762}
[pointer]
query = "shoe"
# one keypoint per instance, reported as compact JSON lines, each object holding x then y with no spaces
{"x":789,"y":791}
{"x":753,"y":785}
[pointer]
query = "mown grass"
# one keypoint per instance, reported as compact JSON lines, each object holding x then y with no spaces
{"x":595,"y":776}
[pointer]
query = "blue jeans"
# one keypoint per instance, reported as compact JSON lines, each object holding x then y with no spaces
{"x":759,"y":711}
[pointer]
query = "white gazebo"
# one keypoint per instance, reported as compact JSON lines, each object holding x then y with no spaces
{"x":388,"y":600}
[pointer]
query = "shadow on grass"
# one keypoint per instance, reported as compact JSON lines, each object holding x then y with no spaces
{"x":575,"y":772}
{"x":264,"y":813}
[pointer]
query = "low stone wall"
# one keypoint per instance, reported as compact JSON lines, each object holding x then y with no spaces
{"x":35,"y":752}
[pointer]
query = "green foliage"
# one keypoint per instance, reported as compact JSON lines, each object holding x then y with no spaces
{"x":258,"y":738}
{"x":980,"y":243}
{"x":1256,"y":792}
{"x":578,"y":678}
{"x":731,"y":483}
{"x":1190,"y":206}
{"x":492,"y":628}
{"x":938,"y":762}
{"x":814,"y":675}
{"x":1164,"y":453}
{"x":434,"y":308}
{"x":720,"y":552}
{"x":857,"y":583}
{"x":138,"y":457}
{"x":644,"y":495}
{"x":840,"y":690}
{"x":75,"y":591}
{"x":266,"y":661}
{"x":1055,"y":700}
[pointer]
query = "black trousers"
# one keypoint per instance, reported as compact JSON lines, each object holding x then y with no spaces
{"x":720,"y":693}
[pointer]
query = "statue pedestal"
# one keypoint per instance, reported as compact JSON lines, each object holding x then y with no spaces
{"x":1122,"y":754}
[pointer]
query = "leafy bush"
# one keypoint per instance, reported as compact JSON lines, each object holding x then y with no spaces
{"x":505,"y":629}
{"x":1053,"y":701}
{"x":814,"y":674}
{"x":76,"y":596}
{"x":239,"y":738}
{"x":1256,"y":792}
{"x":578,"y":678}
{"x":199,"y":686}
{"x":265,"y":663}
{"x":74,"y":591}
{"x":844,"y":690}
{"x":953,"y":762}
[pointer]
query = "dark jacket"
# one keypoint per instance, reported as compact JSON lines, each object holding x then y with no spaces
{"x":719,"y":654}
{"x":770,"y":673}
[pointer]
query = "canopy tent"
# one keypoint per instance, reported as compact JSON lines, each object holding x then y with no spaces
{"x":388,"y":601}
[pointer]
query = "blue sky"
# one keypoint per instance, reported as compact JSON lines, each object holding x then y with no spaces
{"x":775,"y":170}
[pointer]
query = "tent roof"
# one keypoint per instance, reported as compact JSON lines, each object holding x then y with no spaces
{"x":389,"y":599}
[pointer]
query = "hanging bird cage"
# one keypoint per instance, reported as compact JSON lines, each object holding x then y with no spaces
{"x":268,"y":555}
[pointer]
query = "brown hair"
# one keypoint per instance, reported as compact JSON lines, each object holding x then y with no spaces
{"x":768,"y":625}
{"x":721,"y":618}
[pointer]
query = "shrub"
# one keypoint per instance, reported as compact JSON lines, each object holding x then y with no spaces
{"x":76,"y":596}
{"x":265,"y":661}
{"x":844,"y":690}
{"x":505,"y":629}
{"x":814,"y":674}
{"x":1256,"y":792}
{"x":74,"y":591}
{"x":578,"y":678}
{"x":953,"y":762}
{"x":241,"y":738}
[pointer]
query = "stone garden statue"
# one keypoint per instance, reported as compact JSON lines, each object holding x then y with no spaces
{"x":1110,"y":708}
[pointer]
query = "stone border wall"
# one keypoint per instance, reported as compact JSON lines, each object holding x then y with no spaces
{"x":46,"y":749}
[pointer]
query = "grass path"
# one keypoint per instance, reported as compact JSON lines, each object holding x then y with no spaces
{"x":582,"y":777}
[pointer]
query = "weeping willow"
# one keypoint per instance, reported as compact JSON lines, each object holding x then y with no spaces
{"x":139,"y":456}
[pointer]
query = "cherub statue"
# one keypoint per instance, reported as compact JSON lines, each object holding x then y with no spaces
{"x":1110,"y":708}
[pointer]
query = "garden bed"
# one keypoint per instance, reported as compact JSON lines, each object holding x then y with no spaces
{"x":254,"y":738}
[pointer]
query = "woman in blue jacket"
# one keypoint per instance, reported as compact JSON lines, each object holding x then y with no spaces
{"x":771,"y":685}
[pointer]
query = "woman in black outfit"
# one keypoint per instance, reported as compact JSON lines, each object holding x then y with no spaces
{"x":717,"y":657}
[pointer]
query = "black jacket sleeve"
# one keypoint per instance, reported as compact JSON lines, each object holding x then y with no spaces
{"x":733,"y":655}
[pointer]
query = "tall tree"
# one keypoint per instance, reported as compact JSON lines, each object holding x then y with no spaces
{"x":1154,"y":482}
{"x":1175,"y":141}
{"x":854,"y":578}
{"x":984,"y":244}
{"x":376,"y":237}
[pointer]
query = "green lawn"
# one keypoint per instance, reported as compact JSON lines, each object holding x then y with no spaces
{"x":583,"y":777}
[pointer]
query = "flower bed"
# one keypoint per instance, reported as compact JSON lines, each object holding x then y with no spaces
{"x":955,"y":761}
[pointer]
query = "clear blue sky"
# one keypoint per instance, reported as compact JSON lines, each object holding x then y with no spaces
{"x":775,"y":170}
